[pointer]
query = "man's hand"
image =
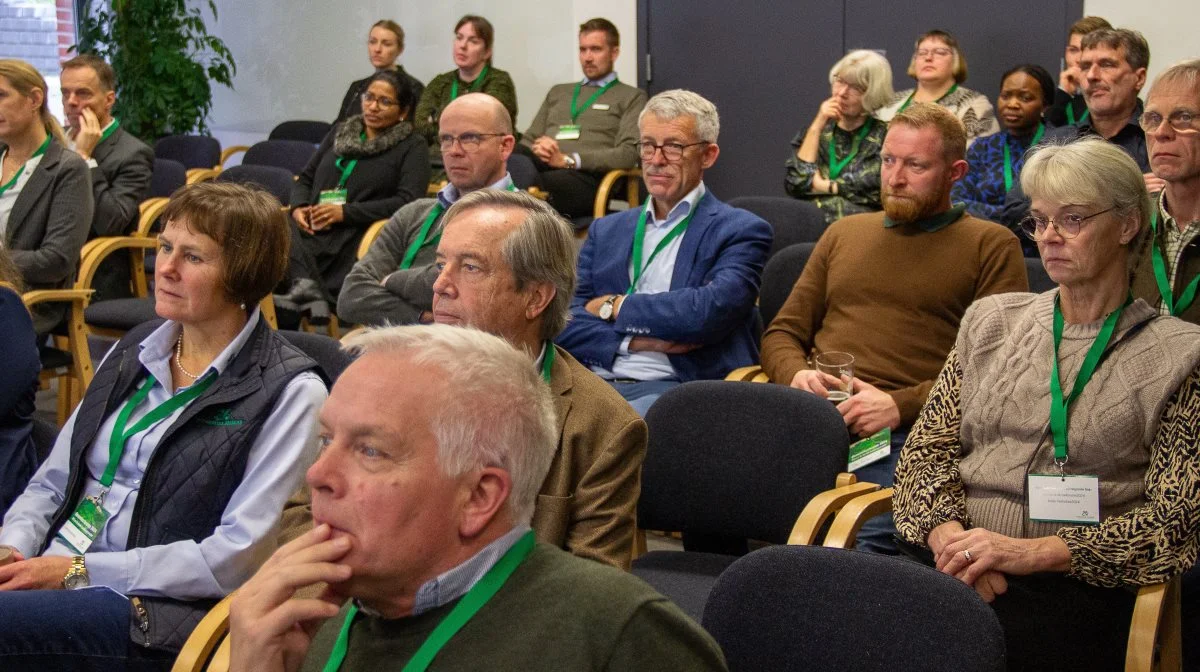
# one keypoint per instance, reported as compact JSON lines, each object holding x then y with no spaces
{"x":89,"y":134}
{"x":302,"y":216}
{"x":41,"y":573}
{"x":268,"y":628}
{"x":593,"y":306}
{"x":322,"y":217}
{"x":545,"y":148}
{"x":650,"y":344}
{"x":1154,"y":184}
{"x":869,"y":410}
{"x":817,"y":382}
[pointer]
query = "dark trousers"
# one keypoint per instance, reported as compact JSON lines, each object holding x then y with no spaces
{"x":326,"y":256}
{"x":572,"y":192}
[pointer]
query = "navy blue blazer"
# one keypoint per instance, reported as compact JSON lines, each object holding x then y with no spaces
{"x":713,"y":288}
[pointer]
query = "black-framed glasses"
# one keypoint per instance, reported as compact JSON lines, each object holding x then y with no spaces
{"x":1182,"y":121}
{"x":468,"y":141}
{"x":672,"y":151}
{"x":1067,"y":226}
{"x":381,"y":101}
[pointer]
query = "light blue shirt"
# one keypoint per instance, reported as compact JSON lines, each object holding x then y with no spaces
{"x":454,"y":583}
{"x":185,"y":569}
{"x":602,"y":81}
{"x":655,"y":279}
{"x":449,"y":193}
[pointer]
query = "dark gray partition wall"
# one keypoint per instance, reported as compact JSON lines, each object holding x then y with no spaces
{"x":766,"y":64}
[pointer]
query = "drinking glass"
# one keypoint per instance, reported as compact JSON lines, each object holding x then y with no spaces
{"x":839,"y":365}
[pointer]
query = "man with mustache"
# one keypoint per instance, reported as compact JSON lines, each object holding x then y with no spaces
{"x":666,"y":291}
{"x":890,"y":288}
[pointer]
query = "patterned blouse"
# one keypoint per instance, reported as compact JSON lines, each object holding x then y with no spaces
{"x":858,"y":183}
{"x":970,"y":106}
{"x":982,"y":189}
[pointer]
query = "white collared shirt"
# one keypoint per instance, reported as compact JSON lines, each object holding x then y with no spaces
{"x":9,"y":197}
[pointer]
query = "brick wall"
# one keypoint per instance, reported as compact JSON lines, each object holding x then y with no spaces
{"x":38,"y":33}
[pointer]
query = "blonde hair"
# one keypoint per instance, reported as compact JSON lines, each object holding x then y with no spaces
{"x":959,"y":67}
{"x":24,"y":78}
{"x":868,"y":71}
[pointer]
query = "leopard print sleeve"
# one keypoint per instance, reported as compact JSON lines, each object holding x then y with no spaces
{"x":1159,"y":539}
{"x":928,"y":489}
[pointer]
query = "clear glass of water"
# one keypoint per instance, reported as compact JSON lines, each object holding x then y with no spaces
{"x":839,"y":366}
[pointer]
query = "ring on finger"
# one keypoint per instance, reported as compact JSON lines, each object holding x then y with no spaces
{"x":967,"y":555}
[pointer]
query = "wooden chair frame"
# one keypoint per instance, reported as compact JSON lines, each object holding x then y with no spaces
{"x":604,"y":192}
{"x":369,"y":237}
{"x":76,"y":379}
{"x":209,"y":634}
{"x":195,"y":175}
{"x":97,"y":251}
{"x":228,"y":153}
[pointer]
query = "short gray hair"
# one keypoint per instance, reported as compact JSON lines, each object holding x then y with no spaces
{"x":539,"y":250}
{"x":678,"y":103}
{"x":496,"y":411}
{"x":1137,"y":50}
{"x":868,"y":71}
{"x":1184,"y":72}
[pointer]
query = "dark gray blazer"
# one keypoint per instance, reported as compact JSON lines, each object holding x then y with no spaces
{"x":48,"y":225}
{"x":120,"y":182}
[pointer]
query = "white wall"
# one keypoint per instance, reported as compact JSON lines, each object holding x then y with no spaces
{"x":295,"y":59}
{"x":1169,"y":27}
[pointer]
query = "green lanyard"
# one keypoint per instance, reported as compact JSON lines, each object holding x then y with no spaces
{"x":112,"y":128}
{"x":121,"y":434}
{"x":1071,"y":113}
{"x":1059,"y":406}
{"x":575,"y":111}
{"x":40,"y":150}
{"x":908,"y":101}
{"x":1160,"y":274}
{"x":837,"y":165}
{"x":347,"y":168}
{"x":639,"y":240}
{"x":548,"y":361}
{"x":467,"y":607}
{"x":423,"y":240}
{"x":475,"y":84}
{"x":1008,"y":166}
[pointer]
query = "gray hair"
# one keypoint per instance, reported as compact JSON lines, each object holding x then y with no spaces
{"x":1184,"y":72}
{"x":539,"y":250}
{"x":1137,"y":50}
{"x":1089,"y":171}
{"x":495,"y":411}
{"x":868,"y":71}
{"x":678,"y":103}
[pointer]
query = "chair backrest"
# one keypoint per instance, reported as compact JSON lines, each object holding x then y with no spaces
{"x":1039,"y":279}
{"x":833,"y":609}
{"x":324,"y":350}
{"x":792,"y":220}
{"x":168,"y":176}
{"x":307,"y":131}
{"x":277,"y":181}
{"x":738,"y":459}
{"x":779,"y":276}
{"x":522,"y":170}
{"x":193,"y":151}
{"x":291,"y":155}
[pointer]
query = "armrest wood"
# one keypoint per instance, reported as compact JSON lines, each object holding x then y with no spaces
{"x":434,"y":187}
{"x":267,"y":306}
{"x":369,"y":237}
{"x":604,"y":192}
{"x":1155,"y":638}
{"x":849,"y":521}
{"x":150,"y":210}
{"x":201,"y":175}
{"x":230,"y":151}
{"x":749,"y":374}
{"x":99,"y":249}
{"x":207,"y":636}
{"x":81,"y":358}
{"x":538,"y":193}
{"x":820,"y":508}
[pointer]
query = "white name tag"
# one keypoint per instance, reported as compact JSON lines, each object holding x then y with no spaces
{"x":567,"y":132}
{"x":870,"y":450}
{"x":1064,"y":499}
{"x":600,"y":106}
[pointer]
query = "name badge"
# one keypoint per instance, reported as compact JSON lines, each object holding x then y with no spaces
{"x":870,"y":450}
{"x":82,"y":528}
{"x":332,"y":197}
{"x":603,"y":107}
{"x":1055,"y":498}
{"x":567,"y":132}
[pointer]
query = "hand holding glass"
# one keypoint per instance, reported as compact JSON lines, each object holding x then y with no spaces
{"x":837,"y":369}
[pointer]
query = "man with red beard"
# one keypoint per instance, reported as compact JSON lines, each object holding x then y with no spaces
{"x":890,"y":288}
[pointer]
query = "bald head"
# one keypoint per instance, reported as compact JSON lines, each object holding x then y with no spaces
{"x":482,"y":123}
{"x":484,"y":110}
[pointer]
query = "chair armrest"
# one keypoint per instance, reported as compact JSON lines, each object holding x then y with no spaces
{"x":1155,"y":629}
{"x":604,"y":192}
{"x":207,"y":636}
{"x":820,"y":508}
{"x":76,"y":330}
{"x":369,"y":237}
{"x":849,"y":521}
{"x":538,"y":193}
{"x":149,"y":212}
{"x":230,"y":151}
{"x":267,"y":306}
{"x":201,"y":175}
{"x":99,"y":249}
{"x":434,"y":187}
{"x":749,"y":374}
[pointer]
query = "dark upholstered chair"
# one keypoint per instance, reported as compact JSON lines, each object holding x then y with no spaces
{"x":324,"y":350}
{"x":779,"y":276}
{"x":291,"y":155}
{"x":809,"y":607}
{"x":312,"y":132}
{"x":168,"y":176}
{"x":522,"y":170}
{"x":277,"y":181}
{"x":193,"y":151}
{"x":793,"y":221}
{"x":1039,"y":279}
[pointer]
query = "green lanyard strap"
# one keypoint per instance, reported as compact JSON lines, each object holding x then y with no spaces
{"x":1060,"y":406}
{"x":576,"y":111}
{"x":836,"y":165}
{"x":1008,"y":163}
{"x":908,"y":101}
{"x":112,"y":128}
{"x":40,"y":150}
{"x":1160,"y":275}
{"x":548,"y":362}
{"x":475,"y":84}
{"x":423,"y":240}
{"x":1071,"y":114}
{"x":466,"y":608}
{"x":639,"y":240}
{"x":121,"y":434}
{"x":347,"y":168}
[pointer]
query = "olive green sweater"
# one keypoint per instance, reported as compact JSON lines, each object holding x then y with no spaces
{"x":496,"y":83}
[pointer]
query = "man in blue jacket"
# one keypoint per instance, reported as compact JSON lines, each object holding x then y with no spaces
{"x":666,"y":291}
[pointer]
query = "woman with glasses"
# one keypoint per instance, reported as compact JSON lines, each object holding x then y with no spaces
{"x":385,"y":43}
{"x":1026,"y":92}
{"x":940,"y":69}
{"x":835,"y":163}
{"x":1054,"y":467}
{"x":365,"y":170}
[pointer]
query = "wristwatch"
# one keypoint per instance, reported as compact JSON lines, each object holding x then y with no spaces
{"x":77,"y":575}
{"x":569,"y":160}
{"x":606,"y":308}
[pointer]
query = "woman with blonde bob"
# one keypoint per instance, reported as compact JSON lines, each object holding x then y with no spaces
{"x":1053,"y":467}
{"x":835,"y":162}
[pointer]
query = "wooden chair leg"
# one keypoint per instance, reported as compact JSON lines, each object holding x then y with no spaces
{"x":64,"y":406}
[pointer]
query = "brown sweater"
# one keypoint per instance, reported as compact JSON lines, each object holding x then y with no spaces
{"x":892,"y":297}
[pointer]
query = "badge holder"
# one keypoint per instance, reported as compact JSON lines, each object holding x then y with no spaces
{"x":870,"y":450}
{"x":84,"y":525}
{"x":1064,"y":498}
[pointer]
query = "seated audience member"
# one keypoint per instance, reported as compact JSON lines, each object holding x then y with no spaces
{"x":473,"y":72}
{"x":681,"y":306}
{"x":435,"y":442}
{"x":1070,"y":106}
{"x":889,"y":289}
{"x":393,"y":283}
{"x":588,"y":502}
{"x":940,"y":68}
{"x":366,"y":169}
{"x":836,"y":161}
{"x":45,"y":190}
{"x":121,"y":165}
{"x":385,"y":43}
{"x":166,"y":484}
{"x":585,"y":129}
{"x":978,"y":481}
{"x":18,"y":386}
{"x":994,"y":163}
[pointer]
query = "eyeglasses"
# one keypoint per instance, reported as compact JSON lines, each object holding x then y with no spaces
{"x":1067,"y":226}
{"x":381,"y":101}
{"x":1182,"y":121}
{"x":839,"y":82}
{"x":940,"y":52}
{"x":468,"y":141}
{"x":671,"y":151}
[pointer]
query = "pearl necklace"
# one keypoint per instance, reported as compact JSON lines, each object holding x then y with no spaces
{"x":179,"y":359}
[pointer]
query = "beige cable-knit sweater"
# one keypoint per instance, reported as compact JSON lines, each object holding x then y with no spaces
{"x":985,"y":427}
